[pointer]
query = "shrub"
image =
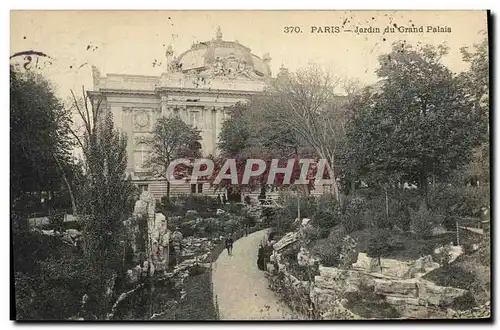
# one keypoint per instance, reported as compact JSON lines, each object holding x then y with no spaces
{"x":381,"y":243}
{"x":459,"y":201}
{"x":423,"y":220}
{"x":78,"y":225}
{"x":56,"y":219}
{"x":308,"y":206}
{"x":197,"y":270}
{"x":327,"y":213}
{"x":315,"y":233}
{"x":179,"y":204}
{"x":353,"y":214}
{"x":233,"y":208}
{"x":327,"y":251}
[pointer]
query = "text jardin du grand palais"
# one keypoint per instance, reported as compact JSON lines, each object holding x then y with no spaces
{"x":389,"y":29}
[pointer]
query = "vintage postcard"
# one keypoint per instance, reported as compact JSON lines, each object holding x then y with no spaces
{"x":250,"y":165}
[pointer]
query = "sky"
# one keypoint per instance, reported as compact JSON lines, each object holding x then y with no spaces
{"x":128,"y":42}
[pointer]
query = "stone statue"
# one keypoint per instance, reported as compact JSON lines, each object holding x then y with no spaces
{"x":242,"y":66}
{"x":218,"y":66}
{"x":173,"y":65}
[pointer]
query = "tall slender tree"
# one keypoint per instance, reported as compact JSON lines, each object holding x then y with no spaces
{"x":105,"y":199}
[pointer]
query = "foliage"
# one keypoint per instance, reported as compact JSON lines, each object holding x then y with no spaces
{"x":417,"y":125}
{"x":179,"y":204}
{"x":338,"y":250}
{"x":353,"y":214}
{"x":381,"y":244}
{"x":298,"y":115}
{"x":57,"y":221}
{"x":476,"y":79}
{"x":105,"y":200}
{"x":55,"y":295}
{"x":49,"y":282}
{"x":304,"y":103}
{"x":328,"y":212}
{"x":39,"y":141}
{"x":459,"y":201}
{"x":172,"y":139}
{"x":424,"y":220}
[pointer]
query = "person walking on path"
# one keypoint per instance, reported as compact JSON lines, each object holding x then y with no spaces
{"x":229,"y":245}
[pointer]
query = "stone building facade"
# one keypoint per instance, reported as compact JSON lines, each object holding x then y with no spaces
{"x":200,"y":85}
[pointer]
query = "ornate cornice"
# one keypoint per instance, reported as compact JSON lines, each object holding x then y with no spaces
{"x":161,"y":90}
{"x":197,"y":91}
{"x":121,"y":92}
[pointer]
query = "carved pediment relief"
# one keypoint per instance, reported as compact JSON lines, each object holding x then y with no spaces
{"x":140,"y":140}
{"x":143,"y":119}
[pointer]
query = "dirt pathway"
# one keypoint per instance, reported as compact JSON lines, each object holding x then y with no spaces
{"x":241,"y":289}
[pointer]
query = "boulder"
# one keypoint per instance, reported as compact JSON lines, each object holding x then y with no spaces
{"x":342,"y":280}
{"x":305,"y":222}
{"x":191,"y":212}
{"x":288,"y":239}
{"x":160,"y":217}
{"x":73,"y":233}
{"x":396,"y":287}
{"x":438,"y":230}
{"x":441,"y":296}
{"x":421,"y":267}
{"x":304,"y":258}
{"x":392,"y":267}
{"x":364,"y":262}
{"x":220,"y":212}
{"x":454,"y":251}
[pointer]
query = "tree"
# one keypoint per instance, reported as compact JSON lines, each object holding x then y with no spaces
{"x":417,"y":125}
{"x":304,"y":103}
{"x":172,"y":139}
{"x":379,"y":246}
{"x":475,"y":83}
{"x":40,"y":159}
{"x":476,"y":80}
{"x":105,"y":199}
{"x":250,"y":134}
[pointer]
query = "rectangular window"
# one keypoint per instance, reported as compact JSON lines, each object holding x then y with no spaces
{"x":143,"y":187}
{"x":197,"y":188}
{"x":195,"y":118}
{"x":141,"y":156}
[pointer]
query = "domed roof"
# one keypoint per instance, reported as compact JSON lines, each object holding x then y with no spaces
{"x":224,"y":58}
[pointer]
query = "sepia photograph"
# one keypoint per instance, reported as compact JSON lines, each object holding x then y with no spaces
{"x":244,"y":165}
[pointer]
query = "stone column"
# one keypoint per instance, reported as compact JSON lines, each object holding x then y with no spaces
{"x":219,"y":112}
{"x":209,"y":135}
{"x":183,"y":113}
{"x":186,"y":113}
{"x":128,"y":129}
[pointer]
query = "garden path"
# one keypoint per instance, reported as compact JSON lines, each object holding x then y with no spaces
{"x":241,"y":289}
